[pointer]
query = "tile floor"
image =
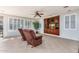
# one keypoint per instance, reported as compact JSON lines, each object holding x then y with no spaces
{"x":50,"y":45}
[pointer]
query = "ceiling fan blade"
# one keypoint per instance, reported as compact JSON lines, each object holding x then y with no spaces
{"x":35,"y":15}
{"x":39,"y":15}
{"x":66,"y":6}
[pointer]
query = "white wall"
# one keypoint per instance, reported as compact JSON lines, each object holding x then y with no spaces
{"x":70,"y":34}
{"x":6,"y":31}
{"x":41,"y":21}
{"x":64,"y":33}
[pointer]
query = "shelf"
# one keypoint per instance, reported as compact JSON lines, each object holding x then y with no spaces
{"x":52,"y":22}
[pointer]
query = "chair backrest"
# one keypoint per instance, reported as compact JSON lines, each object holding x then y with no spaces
{"x":28,"y":35}
{"x":22,"y":34}
{"x":33,"y":34}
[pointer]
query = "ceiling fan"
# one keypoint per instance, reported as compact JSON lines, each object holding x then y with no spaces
{"x":66,"y":6}
{"x":38,"y":13}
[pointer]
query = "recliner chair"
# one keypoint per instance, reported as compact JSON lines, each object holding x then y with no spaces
{"x":31,"y":37}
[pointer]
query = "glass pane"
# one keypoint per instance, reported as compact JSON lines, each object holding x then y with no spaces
{"x":26,"y":23}
{"x":73,"y":22}
{"x":66,"y":22}
{"x":21,"y":24}
{"x":15,"y":27}
{"x":29,"y":24}
{"x":11,"y":24}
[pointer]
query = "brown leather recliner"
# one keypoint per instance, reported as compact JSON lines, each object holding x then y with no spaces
{"x":22,"y":34}
{"x":31,"y":37}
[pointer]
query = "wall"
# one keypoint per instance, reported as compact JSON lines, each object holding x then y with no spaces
{"x":6,"y":31}
{"x":41,"y":21}
{"x":70,"y":34}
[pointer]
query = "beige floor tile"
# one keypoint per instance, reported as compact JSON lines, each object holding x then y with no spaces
{"x":50,"y":45}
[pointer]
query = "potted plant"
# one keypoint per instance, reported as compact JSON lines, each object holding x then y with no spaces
{"x":36,"y":25}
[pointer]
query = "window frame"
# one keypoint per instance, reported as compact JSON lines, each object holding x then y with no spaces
{"x":19,"y":19}
{"x":70,"y":21}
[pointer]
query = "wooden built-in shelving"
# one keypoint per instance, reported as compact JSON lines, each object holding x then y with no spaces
{"x":51,"y":25}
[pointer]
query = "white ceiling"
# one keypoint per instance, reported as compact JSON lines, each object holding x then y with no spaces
{"x":28,"y":11}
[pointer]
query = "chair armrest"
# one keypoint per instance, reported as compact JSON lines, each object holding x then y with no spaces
{"x":38,"y":37}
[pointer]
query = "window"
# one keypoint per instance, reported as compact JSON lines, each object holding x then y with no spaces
{"x":70,"y":21}
{"x":15,"y":23}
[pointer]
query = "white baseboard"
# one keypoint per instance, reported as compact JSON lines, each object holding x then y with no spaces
{"x":61,"y":36}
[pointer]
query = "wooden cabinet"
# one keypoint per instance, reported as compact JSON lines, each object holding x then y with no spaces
{"x":51,"y":25}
